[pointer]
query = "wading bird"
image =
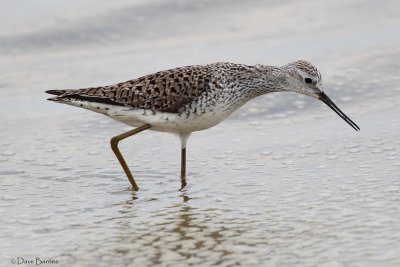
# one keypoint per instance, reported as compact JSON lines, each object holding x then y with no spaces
{"x":192,"y":98}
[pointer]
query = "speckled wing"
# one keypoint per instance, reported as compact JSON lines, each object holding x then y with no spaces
{"x":165,"y":91}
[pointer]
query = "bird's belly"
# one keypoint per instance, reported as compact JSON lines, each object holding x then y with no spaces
{"x":167,"y":122}
{"x":195,"y":117}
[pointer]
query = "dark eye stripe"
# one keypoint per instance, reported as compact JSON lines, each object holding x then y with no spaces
{"x":308,"y":80}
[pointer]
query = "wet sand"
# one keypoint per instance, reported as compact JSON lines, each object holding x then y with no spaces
{"x":282,"y":182}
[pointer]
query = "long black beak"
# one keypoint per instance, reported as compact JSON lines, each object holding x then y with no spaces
{"x":324,"y":98}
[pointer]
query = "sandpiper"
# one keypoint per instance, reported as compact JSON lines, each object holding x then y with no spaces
{"x":192,"y":98}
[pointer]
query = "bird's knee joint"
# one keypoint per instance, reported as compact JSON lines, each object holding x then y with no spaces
{"x":114,"y":141}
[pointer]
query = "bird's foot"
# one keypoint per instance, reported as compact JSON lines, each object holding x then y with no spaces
{"x":183,"y":186}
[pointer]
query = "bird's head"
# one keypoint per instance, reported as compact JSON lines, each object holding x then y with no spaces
{"x":304,"y":78}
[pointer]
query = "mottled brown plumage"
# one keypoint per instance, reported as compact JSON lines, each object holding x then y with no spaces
{"x":165,"y":91}
{"x":168,"y":90}
{"x":192,"y":98}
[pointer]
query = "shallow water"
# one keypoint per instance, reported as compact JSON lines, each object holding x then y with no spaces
{"x":283,"y":182}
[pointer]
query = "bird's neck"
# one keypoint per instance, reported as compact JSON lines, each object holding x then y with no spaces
{"x":242,"y":83}
{"x":260,"y":79}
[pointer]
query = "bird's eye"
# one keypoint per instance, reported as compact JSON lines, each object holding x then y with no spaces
{"x":308,"y":80}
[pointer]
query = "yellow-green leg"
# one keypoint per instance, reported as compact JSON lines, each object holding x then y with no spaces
{"x":184,"y":137}
{"x":183,"y":167}
{"x":114,"y":146}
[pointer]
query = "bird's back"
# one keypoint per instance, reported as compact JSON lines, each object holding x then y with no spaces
{"x":188,"y":98}
{"x":165,"y":91}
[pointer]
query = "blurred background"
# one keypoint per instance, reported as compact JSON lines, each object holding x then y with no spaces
{"x":282,"y":182}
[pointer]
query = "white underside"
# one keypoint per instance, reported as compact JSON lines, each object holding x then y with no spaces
{"x":161,"y":121}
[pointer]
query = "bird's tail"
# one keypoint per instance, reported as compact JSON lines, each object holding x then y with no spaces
{"x":55,"y":92}
{"x":59,"y":95}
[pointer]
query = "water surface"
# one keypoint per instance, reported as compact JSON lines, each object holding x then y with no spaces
{"x":282,"y":182}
